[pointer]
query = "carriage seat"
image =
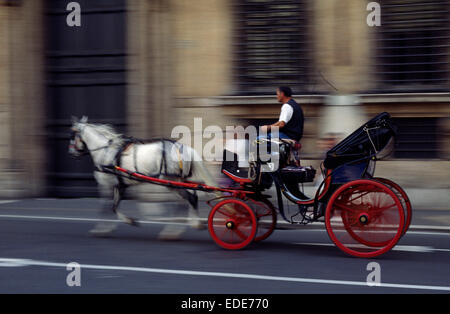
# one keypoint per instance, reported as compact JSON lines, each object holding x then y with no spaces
{"x":289,"y":150}
{"x":293,"y":143}
{"x":293,"y":154}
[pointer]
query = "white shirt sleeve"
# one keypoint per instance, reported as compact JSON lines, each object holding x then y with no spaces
{"x":286,"y":113}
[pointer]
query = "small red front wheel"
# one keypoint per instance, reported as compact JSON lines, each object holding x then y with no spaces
{"x":232,"y":224}
{"x":364,"y":218}
{"x":266,"y":216}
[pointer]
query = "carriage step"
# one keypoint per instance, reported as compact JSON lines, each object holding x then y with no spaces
{"x":298,"y":174}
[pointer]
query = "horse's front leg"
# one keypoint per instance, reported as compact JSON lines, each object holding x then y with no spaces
{"x":117,"y":197}
{"x":106,"y":223}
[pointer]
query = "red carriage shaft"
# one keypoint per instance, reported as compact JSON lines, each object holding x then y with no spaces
{"x":178,"y":184}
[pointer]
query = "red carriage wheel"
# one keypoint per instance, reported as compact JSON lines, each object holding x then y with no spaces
{"x":403,"y":198}
{"x":232,"y":224}
{"x":266,"y":216}
{"x":364,"y":218}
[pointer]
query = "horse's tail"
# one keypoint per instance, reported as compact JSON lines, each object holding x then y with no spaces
{"x":199,"y":170}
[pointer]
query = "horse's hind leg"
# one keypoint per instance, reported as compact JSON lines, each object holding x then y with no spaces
{"x":173,"y":231}
{"x":193,"y":216}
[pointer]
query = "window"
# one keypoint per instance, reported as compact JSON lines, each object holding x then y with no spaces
{"x":417,"y":138}
{"x":271,"y":45}
{"x":413,"y":45}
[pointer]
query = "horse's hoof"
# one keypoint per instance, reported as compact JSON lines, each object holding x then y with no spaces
{"x":103,"y":230}
{"x":169,"y":237}
{"x":133,"y":222}
{"x":100,"y":233}
{"x":198,"y":225}
{"x":171,"y":233}
{"x":128,"y":220}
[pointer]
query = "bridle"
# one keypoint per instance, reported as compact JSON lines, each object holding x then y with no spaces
{"x":75,"y":135}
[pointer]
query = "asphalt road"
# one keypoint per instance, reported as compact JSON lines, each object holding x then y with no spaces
{"x":38,"y":238}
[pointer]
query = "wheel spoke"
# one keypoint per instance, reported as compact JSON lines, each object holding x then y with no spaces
{"x":225,"y":214}
{"x":224,"y":232}
{"x":240,"y":234}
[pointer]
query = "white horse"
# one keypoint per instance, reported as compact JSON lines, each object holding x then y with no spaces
{"x":158,"y":158}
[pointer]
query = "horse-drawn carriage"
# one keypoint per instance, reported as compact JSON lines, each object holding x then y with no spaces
{"x":365,"y":216}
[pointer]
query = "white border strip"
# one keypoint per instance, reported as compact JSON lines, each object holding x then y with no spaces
{"x":25,"y":262}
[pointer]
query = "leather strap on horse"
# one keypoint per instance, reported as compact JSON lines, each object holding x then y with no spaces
{"x":164,"y":160}
{"x":118,"y":158}
{"x":163,"y":165}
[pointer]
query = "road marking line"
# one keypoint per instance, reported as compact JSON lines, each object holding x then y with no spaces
{"x":408,"y":232}
{"x":320,"y":223}
{"x":28,"y":262}
{"x":167,"y":221}
{"x":404,"y":248}
{"x":429,"y":227}
{"x":428,"y":233}
{"x":8,"y":201}
{"x":87,"y":219}
{"x":442,"y":250}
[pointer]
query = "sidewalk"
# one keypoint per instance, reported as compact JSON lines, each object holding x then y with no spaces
{"x":423,"y":219}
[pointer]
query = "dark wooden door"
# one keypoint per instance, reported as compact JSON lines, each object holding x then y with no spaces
{"x":85,"y":75}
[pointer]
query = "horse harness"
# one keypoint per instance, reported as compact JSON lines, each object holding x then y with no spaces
{"x":131,"y":141}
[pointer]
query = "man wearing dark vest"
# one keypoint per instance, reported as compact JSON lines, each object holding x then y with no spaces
{"x":291,"y":119}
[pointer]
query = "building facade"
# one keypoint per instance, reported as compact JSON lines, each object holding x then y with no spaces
{"x":146,"y":66}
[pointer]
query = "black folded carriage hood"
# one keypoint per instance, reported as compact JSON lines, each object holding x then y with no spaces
{"x":366,"y":142}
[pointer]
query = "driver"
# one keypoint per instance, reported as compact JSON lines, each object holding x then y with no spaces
{"x":291,"y":119}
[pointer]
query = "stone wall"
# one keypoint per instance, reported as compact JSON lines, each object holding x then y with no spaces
{"x":180,"y":67}
{"x":22,"y":128}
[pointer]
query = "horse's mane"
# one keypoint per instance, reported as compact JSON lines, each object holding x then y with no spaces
{"x":108,"y":131}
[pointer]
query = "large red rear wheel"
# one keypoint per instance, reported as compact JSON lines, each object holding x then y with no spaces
{"x":364,"y":218}
{"x":403,"y":198}
{"x":232,"y":224}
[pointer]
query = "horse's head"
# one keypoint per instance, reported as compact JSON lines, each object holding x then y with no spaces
{"x":77,"y":146}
